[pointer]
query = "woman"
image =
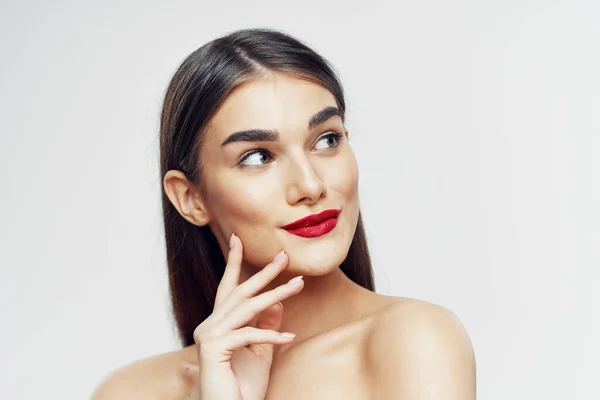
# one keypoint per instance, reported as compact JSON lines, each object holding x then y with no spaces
{"x":265,"y":241}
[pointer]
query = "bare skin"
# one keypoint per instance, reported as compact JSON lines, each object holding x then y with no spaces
{"x":335,"y":364}
{"x":350,"y":343}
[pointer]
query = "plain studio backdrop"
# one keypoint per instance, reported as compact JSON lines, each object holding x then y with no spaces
{"x":476,"y":126}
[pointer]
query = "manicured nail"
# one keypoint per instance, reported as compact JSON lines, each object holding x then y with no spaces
{"x":231,"y":240}
{"x":288,"y":335}
{"x":279,"y":256}
{"x":295,"y":281}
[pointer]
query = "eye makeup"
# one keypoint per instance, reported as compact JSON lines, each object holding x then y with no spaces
{"x":336,"y":136}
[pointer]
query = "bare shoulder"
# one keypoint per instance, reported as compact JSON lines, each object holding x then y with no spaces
{"x":154,"y":378}
{"x":422,"y":349}
{"x":412,"y":318}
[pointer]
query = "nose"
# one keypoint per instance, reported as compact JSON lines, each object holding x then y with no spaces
{"x":303,"y":182}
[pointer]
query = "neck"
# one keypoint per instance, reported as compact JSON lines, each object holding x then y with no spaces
{"x":325,"y":303}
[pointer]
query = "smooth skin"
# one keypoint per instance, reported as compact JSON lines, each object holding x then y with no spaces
{"x":350,"y":343}
{"x":235,"y":357}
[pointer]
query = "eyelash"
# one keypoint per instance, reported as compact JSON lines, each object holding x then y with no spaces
{"x":336,"y":135}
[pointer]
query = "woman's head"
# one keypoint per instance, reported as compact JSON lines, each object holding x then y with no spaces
{"x":252,"y":139}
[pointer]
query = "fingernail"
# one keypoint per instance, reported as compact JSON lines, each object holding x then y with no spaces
{"x":295,"y":281}
{"x":279,"y":256}
{"x":288,"y":335}
{"x":231,"y":240}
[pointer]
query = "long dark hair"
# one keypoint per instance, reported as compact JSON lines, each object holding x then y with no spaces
{"x":195,"y":92}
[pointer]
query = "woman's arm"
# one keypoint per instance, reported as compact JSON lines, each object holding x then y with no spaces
{"x":421,"y":351}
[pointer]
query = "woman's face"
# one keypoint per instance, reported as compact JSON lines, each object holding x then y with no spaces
{"x":255,"y":187}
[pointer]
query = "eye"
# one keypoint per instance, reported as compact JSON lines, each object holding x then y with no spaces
{"x":255,"y":158}
{"x":328,"y":141}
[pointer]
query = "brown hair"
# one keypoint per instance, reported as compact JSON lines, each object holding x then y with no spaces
{"x":196,"y":90}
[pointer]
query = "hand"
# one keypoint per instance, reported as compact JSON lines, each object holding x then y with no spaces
{"x":234,"y":354}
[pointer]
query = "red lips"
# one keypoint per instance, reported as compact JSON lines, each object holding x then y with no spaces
{"x":314,"y":225}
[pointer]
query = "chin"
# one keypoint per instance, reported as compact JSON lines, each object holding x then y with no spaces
{"x":315,"y":265}
{"x":317,"y":257}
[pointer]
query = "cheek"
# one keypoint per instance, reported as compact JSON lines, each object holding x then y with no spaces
{"x":241,"y":203}
{"x":343,"y":179}
{"x":247,"y":209}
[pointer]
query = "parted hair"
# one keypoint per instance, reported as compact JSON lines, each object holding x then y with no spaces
{"x":197,"y":89}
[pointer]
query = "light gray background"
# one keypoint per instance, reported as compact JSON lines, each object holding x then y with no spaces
{"x":477,"y":130}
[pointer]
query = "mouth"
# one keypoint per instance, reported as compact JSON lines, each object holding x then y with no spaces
{"x":315,"y":224}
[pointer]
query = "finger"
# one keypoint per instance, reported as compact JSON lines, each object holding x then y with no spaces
{"x":242,"y":314}
{"x":269,"y":319}
{"x":255,"y":283}
{"x":231,"y":276}
{"x":222,"y":348}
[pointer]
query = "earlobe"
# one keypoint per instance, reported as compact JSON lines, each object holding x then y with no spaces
{"x":182,"y":195}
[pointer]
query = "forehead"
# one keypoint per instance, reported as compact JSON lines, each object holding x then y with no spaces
{"x":277,"y":101}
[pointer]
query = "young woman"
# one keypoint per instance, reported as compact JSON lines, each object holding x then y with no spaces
{"x":269,"y":271}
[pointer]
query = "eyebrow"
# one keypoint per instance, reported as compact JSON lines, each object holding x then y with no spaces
{"x":272,"y":135}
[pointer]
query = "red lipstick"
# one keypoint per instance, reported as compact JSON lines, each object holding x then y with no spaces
{"x":314,"y":225}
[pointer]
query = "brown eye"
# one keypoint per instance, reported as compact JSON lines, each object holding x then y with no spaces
{"x":328,"y":141}
{"x":255,"y":158}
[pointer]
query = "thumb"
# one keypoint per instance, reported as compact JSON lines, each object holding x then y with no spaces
{"x":268,"y":319}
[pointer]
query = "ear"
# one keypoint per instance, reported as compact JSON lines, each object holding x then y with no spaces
{"x":185,"y":198}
